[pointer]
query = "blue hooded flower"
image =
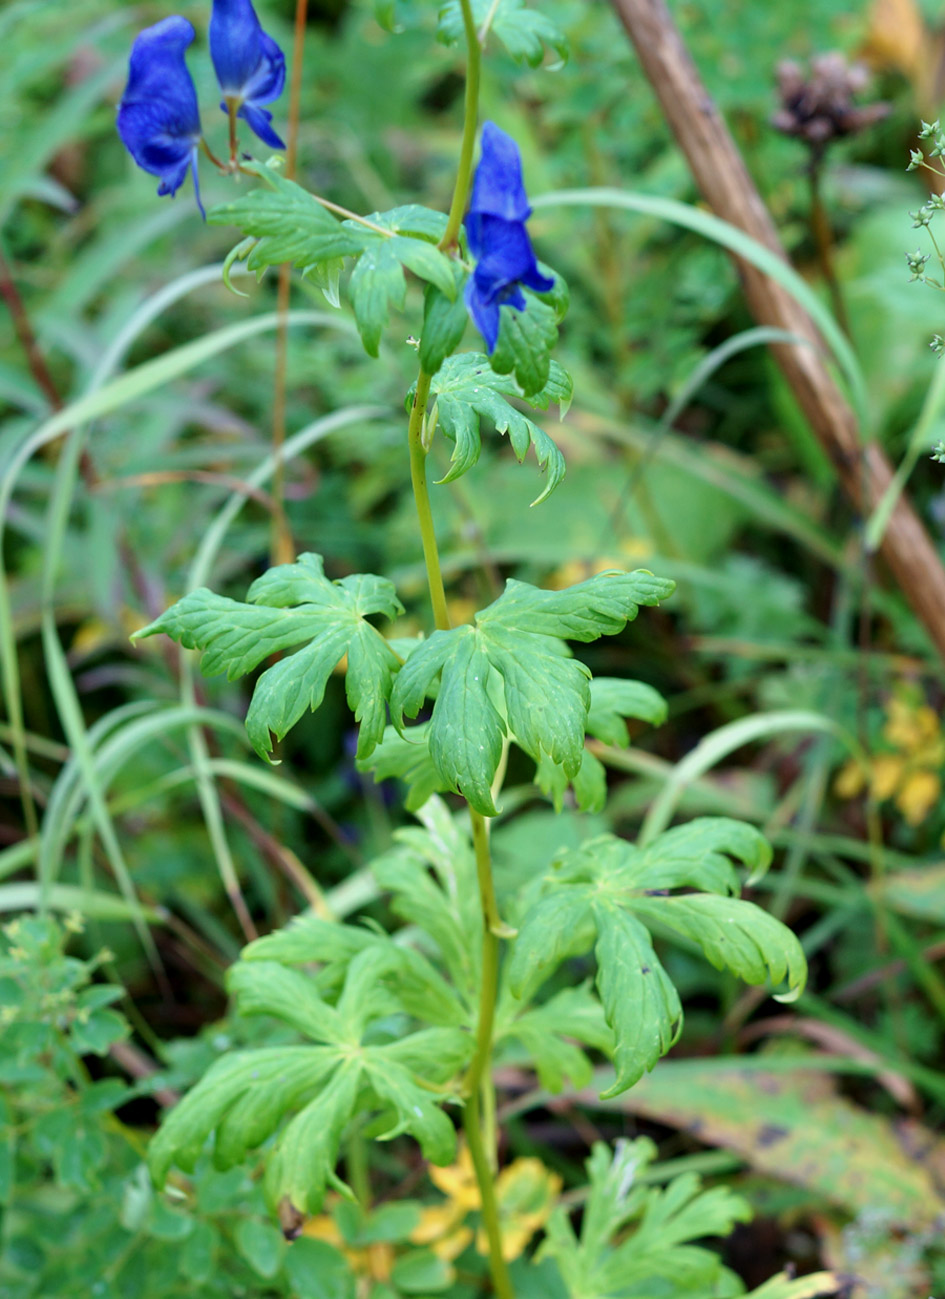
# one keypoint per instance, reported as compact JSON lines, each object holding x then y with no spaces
{"x":495,"y":226}
{"x":158,"y":117}
{"x":249,"y":65}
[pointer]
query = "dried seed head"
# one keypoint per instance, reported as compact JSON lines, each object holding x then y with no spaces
{"x":817,"y":104}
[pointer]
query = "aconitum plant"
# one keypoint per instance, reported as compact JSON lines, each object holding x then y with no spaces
{"x":158,"y":118}
{"x":399,"y":1035}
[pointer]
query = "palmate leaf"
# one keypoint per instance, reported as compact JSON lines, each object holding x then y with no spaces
{"x":377,"y":282}
{"x":291,"y":604}
{"x":612,"y":700}
{"x":400,"y":972}
{"x":640,"y":1001}
{"x":244,"y":1100}
{"x":605,"y":894}
{"x":432,"y":877}
{"x":523,"y":31}
{"x":527,"y":338}
{"x":406,"y":757}
{"x":466,"y":389}
{"x":733,"y":935}
{"x":289,"y":225}
{"x":444,"y":323}
{"x":545,"y":1032}
{"x":511,"y":673}
{"x":263,"y":1084}
{"x":656,"y":1255}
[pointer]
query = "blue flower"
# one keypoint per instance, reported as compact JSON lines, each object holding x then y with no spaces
{"x":249,"y":65}
{"x":158,"y":117}
{"x":495,"y":225}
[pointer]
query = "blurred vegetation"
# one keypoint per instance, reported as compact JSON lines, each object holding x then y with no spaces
{"x":152,"y":826}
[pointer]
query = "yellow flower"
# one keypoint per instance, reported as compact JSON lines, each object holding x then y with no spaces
{"x":458,"y":1181}
{"x":888,"y":771}
{"x":375,"y":1261}
{"x":440,"y":1228}
{"x":574,"y":571}
{"x":526,"y":1192}
{"x":911,"y":728}
{"x":909,"y":770}
{"x":850,"y":780}
{"x":919,"y":793}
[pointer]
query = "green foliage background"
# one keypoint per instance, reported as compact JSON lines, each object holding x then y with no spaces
{"x":146,"y":831}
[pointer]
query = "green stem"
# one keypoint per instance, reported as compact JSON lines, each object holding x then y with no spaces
{"x":478,"y":1079}
{"x":479,"y":1076}
{"x":470,"y":121}
{"x":421,"y":494}
{"x":358,"y":1170}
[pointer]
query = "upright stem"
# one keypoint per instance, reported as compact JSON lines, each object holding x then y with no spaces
{"x":478,"y":1078}
{"x":281,"y":543}
{"x":823,"y":242}
{"x":470,"y":121}
{"x":421,"y":494}
{"x":479,"y":1075}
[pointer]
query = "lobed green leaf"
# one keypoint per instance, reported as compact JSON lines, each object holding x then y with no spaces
{"x":525,"y":343}
{"x":285,"y":223}
{"x":466,"y":389}
{"x":560,"y":925}
{"x":414,"y":1108}
{"x":524,"y":32}
{"x":640,"y":1001}
{"x":611,"y":889}
{"x":601,"y":606}
{"x":444,"y":323}
{"x":270,"y":988}
{"x":444,"y":904}
{"x":305,"y":1154}
{"x":511,"y":673}
{"x":407,"y":757}
{"x":544,"y":1032}
{"x":639,"y":1239}
{"x":698,"y":854}
{"x":258,"y":1086}
{"x":290,"y":604}
{"x":734,"y":935}
{"x":243,"y":1100}
{"x":613,"y":699}
{"x":288,"y":224}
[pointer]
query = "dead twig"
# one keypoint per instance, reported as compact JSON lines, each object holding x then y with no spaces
{"x":720,"y":172}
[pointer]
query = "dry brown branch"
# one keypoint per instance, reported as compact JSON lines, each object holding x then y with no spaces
{"x":721,"y":175}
